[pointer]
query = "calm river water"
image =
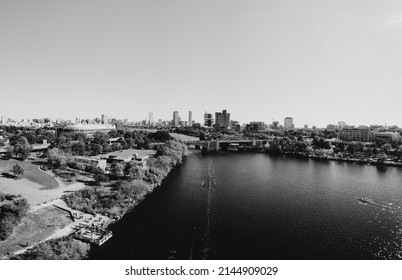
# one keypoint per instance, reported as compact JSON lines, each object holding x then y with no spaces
{"x":258,"y":206}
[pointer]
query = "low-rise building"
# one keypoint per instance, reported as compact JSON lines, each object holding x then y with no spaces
{"x":139,"y":156}
{"x":394,"y":136}
{"x":350,"y":133}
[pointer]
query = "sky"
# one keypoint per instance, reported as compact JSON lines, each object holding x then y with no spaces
{"x":318,"y":61}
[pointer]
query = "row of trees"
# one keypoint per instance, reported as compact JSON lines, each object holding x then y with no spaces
{"x":78,"y":144}
{"x":131,"y":182}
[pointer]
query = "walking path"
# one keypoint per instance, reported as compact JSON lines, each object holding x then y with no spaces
{"x":86,"y":219}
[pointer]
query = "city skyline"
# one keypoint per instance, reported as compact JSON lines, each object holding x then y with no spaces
{"x":316,"y":61}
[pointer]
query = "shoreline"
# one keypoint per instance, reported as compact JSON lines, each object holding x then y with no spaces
{"x":67,"y":230}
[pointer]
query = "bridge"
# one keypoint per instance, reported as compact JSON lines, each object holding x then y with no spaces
{"x":223,"y":144}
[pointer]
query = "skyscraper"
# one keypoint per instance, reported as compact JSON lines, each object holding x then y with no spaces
{"x":151,"y":118}
{"x":190,"y":118}
{"x":288,"y":123}
{"x":175,"y":121}
{"x":222,"y":120}
{"x":208,"y":119}
{"x":105,"y":119}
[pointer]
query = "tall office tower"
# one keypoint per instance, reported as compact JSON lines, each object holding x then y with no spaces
{"x":105,"y":119}
{"x":222,"y":120}
{"x":190,"y":118}
{"x":208,"y":119}
{"x":77,"y":120}
{"x":151,"y":118}
{"x":288,"y":123}
{"x":175,"y":121}
{"x":3,"y":119}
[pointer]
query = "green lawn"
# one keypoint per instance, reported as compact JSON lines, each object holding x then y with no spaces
{"x":31,"y":172}
{"x":35,"y":227}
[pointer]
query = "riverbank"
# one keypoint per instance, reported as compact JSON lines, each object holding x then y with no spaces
{"x":120,"y":197}
{"x":368,"y":161}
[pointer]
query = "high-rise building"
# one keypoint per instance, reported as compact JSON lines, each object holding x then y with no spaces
{"x":105,"y":119}
{"x":190,"y":118}
{"x":288,"y":123}
{"x":208,"y":119}
{"x":77,"y":120}
{"x":151,"y":118}
{"x":222,"y":120}
{"x":175,"y":121}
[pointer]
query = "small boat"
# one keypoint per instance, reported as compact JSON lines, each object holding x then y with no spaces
{"x":364,"y":200}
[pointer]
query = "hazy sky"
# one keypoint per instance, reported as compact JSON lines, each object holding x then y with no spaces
{"x":319,"y":61}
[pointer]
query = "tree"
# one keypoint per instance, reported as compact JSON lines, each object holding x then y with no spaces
{"x":57,"y":158}
{"x":78,"y":148}
{"x":99,"y":176}
{"x":116,"y":170}
{"x":96,"y":149}
{"x":133,"y":171}
{"x":18,"y":170}
{"x":100,"y":138}
{"x":22,"y":151}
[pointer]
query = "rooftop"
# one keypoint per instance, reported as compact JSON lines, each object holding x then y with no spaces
{"x":131,"y":152}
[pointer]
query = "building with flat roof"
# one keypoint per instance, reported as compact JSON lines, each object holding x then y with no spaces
{"x":175,"y":121}
{"x":190,"y":118}
{"x":88,"y":129}
{"x":288,"y":123}
{"x":105,"y":119}
{"x":151,"y":118}
{"x":351,"y":133}
{"x":127,"y":155}
{"x":256,"y":126}
{"x":394,"y":136}
{"x":222,"y":120}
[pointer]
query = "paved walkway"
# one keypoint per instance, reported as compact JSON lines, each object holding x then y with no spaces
{"x":87,"y":219}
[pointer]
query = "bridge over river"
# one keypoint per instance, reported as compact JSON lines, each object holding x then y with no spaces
{"x":231,"y":145}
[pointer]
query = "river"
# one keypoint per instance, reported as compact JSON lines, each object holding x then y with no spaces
{"x":258,"y":206}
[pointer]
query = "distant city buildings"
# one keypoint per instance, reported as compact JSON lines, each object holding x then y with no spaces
{"x":288,"y":123}
{"x":222,"y":120}
{"x":331,"y":127}
{"x":208,"y":119}
{"x":105,"y":119}
{"x":256,"y":126}
{"x":88,"y":129}
{"x":151,"y":118}
{"x":365,"y":134}
{"x":190,"y":118}
{"x":175,"y":121}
